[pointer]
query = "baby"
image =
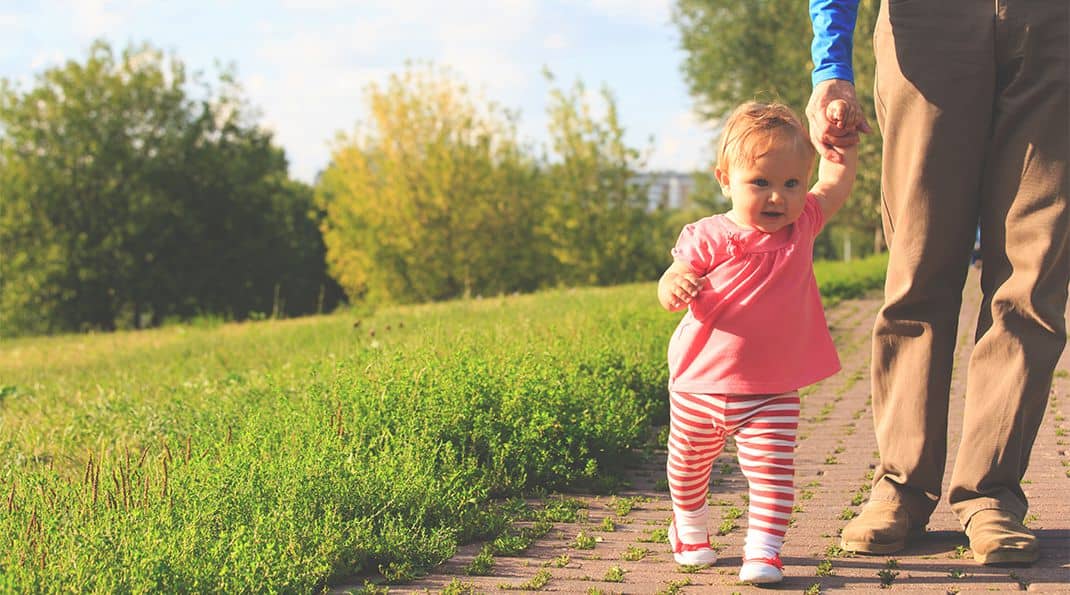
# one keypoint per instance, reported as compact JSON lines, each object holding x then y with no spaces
{"x":755,"y":331}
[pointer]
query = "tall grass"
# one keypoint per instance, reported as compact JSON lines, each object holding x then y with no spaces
{"x":287,"y":455}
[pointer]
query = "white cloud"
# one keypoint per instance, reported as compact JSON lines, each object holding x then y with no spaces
{"x":485,"y":69}
{"x":45,"y":59}
{"x":318,"y":77}
{"x":475,"y":23}
{"x":95,"y":18}
{"x":313,"y":90}
{"x":555,"y":41}
{"x":649,"y":12}
{"x":8,"y":20}
{"x":255,"y":84}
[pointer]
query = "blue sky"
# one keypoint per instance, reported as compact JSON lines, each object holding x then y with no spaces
{"x":305,"y":63}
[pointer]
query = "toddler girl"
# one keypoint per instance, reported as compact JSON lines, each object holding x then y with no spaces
{"x":754,"y":332}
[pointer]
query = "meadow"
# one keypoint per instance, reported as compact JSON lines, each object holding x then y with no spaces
{"x":288,"y":455}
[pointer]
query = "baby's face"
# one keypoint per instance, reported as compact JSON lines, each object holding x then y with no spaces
{"x":770,"y":193}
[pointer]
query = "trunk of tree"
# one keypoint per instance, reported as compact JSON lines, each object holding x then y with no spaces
{"x":878,"y":239}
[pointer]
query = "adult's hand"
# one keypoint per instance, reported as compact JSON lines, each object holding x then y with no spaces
{"x":831,"y":135}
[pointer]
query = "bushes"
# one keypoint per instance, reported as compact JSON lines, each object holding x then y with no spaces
{"x":315,"y":453}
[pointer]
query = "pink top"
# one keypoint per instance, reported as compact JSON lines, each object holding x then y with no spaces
{"x":756,"y":326}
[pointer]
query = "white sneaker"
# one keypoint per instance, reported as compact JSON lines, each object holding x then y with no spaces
{"x":690,"y":554}
{"x":762,"y":571}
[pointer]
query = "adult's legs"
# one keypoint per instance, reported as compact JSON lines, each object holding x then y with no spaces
{"x":1025,"y":226}
{"x":934,"y":87}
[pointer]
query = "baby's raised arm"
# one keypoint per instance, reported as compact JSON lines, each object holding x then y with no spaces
{"x":834,"y":180}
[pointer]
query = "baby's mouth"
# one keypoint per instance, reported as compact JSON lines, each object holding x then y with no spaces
{"x":771,"y":214}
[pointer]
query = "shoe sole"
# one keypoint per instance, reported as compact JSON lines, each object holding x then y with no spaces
{"x":763,"y":580}
{"x":869,"y":547}
{"x":1007,"y":557}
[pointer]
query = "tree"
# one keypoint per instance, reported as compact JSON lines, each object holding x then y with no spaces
{"x":738,"y":51}
{"x":74,"y":149}
{"x":124,"y":200}
{"x":597,"y":220}
{"x":432,"y":197}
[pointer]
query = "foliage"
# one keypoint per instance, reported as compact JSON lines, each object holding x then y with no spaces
{"x":432,"y":197}
{"x":127,"y":197}
{"x":597,"y":221}
{"x":847,"y":280}
{"x":435,"y":197}
{"x":738,"y":51}
{"x":283,"y":454}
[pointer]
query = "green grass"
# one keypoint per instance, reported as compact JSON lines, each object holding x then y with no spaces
{"x":853,"y":279}
{"x":293,"y":455}
{"x":290,"y":454}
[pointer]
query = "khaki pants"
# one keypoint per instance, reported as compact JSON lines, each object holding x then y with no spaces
{"x":972,"y":100}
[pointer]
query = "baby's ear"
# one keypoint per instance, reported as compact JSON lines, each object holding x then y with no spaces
{"x":722,"y":179}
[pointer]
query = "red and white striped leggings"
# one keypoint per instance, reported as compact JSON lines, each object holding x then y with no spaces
{"x":764,"y":427}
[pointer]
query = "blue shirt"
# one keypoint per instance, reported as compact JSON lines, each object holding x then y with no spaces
{"x":834,"y":26}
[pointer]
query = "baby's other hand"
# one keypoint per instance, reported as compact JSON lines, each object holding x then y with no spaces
{"x":684,"y":288}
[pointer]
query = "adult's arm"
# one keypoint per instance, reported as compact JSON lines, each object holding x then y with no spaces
{"x":834,"y":26}
{"x":833,"y":77}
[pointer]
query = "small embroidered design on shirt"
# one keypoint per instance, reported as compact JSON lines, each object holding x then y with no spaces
{"x":735,"y":244}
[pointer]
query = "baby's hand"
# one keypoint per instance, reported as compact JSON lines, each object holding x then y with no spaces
{"x":841,"y":116}
{"x":683,"y":288}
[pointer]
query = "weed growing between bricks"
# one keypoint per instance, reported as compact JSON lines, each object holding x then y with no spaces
{"x":824,"y":568}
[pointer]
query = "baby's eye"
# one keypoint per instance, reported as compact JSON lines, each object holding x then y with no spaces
{"x":760,"y":182}
{"x":792,"y":183}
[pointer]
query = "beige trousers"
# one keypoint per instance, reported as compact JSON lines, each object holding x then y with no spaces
{"x":972,"y":100}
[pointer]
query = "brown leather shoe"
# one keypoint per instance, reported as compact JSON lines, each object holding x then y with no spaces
{"x":881,"y":528}
{"x":998,"y":537}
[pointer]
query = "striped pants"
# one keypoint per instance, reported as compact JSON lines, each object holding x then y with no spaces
{"x":764,"y":427}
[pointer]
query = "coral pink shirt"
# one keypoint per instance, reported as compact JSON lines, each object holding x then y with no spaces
{"x":756,"y":326}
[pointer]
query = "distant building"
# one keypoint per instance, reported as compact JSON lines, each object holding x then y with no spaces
{"x":666,"y":189}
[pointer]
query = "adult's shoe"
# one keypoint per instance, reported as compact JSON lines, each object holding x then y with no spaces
{"x":881,"y":528}
{"x":998,"y":537}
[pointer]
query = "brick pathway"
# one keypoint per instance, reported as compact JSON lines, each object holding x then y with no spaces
{"x":836,"y":454}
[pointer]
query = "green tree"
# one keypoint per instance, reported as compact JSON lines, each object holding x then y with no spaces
{"x":75,"y":196}
{"x":598,"y":221}
{"x":125,"y":199}
{"x":432,"y":197}
{"x":738,"y":51}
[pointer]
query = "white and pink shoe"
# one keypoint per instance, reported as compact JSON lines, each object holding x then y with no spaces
{"x":690,"y":554}
{"x":762,"y":571}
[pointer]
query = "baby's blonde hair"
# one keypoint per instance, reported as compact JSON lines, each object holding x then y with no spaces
{"x":754,"y":127}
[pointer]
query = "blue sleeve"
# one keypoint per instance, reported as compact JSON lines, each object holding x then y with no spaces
{"x":834,"y":26}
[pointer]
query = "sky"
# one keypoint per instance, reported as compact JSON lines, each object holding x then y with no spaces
{"x":305,"y":64}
